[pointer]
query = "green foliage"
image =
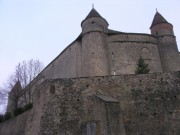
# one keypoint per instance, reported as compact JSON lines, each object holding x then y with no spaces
{"x":142,"y":67}
{"x":18,"y":111}
{"x":1,"y":118}
{"x":28,"y":106}
{"x":7,"y":116}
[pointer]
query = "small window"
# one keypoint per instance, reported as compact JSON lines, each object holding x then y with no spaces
{"x":114,"y":73}
{"x":112,"y":56}
{"x":92,"y":22}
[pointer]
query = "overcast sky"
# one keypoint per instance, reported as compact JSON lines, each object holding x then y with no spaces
{"x":41,"y":29}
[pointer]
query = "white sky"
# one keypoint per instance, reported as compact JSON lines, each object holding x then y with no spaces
{"x":41,"y":29}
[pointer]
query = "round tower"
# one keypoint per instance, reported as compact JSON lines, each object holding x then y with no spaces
{"x":94,"y":45}
{"x":168,"y":50}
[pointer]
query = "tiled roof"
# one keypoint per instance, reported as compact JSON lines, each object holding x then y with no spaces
{"x":158,"y":18}
{"x":93,"y":13}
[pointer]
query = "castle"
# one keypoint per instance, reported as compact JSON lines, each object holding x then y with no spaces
{"x":99,"y":51}
{"x":91,"y":87}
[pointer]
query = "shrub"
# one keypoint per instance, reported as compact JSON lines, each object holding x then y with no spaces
{"x":28,"y":106}
{"x":142,"y":67}
{"x":1,"y":118}
{"x":7,"y":116}
{"x":18,"y":111}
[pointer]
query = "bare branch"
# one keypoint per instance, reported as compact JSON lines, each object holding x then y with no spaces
{"x":24,"y":73}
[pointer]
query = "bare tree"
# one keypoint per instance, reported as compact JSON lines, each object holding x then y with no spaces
{"x":3,"y":99}
{"x":24,"y":73}
{"x":1,"y":96}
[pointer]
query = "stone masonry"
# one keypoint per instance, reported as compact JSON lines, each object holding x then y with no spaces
{"x":99,"y":51}
{"x":108,"y":105}
{"x":91,"y":88}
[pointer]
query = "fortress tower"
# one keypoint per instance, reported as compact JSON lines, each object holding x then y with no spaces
{"x":168,"y":50}
{"x":94,"y":45}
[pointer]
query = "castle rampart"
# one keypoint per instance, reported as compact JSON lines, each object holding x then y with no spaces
{"x":67,"y":65}
{"x":126,"y":104}
{"x":133,"y":37}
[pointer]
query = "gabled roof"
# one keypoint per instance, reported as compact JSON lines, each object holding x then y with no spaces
{"x":93,"y":13}
{"x":158,"y":18}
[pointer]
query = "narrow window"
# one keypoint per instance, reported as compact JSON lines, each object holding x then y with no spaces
{"x":112,"y":56}
{"x":114,"y":73}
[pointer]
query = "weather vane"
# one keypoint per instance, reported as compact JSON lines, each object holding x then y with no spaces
{"x":92,"y":5}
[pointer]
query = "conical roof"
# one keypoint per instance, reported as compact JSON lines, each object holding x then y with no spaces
{"x":158,"y":18}
{"x":93,"y":13}
{"x":17,"y":86}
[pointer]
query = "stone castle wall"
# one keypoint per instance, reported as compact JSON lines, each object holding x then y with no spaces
{"x":67,"y":64}
{"x":106,"y":55}
{"x":167,"y":46}
{"x":29,"y":122}
{"x":15,"y":126}
{"x":94,"y":54}
{"x":114,"y":54}
{"x":169,"y":53}
{"x":126,"y":104}
{"x":109,"y":105}
{"x":126,"y":49}
{"x":100,"y":54}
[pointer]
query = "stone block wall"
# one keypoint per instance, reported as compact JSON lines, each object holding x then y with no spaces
{"x":125,"y":50}
{"x":66,"y":65}
{"x":94,"y":54}
{"x":15,"y":126}
{"x":110,"y":105}
{"x":169,"y":53}
{"x":27,"y":123}
{"x":98,"y":54}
